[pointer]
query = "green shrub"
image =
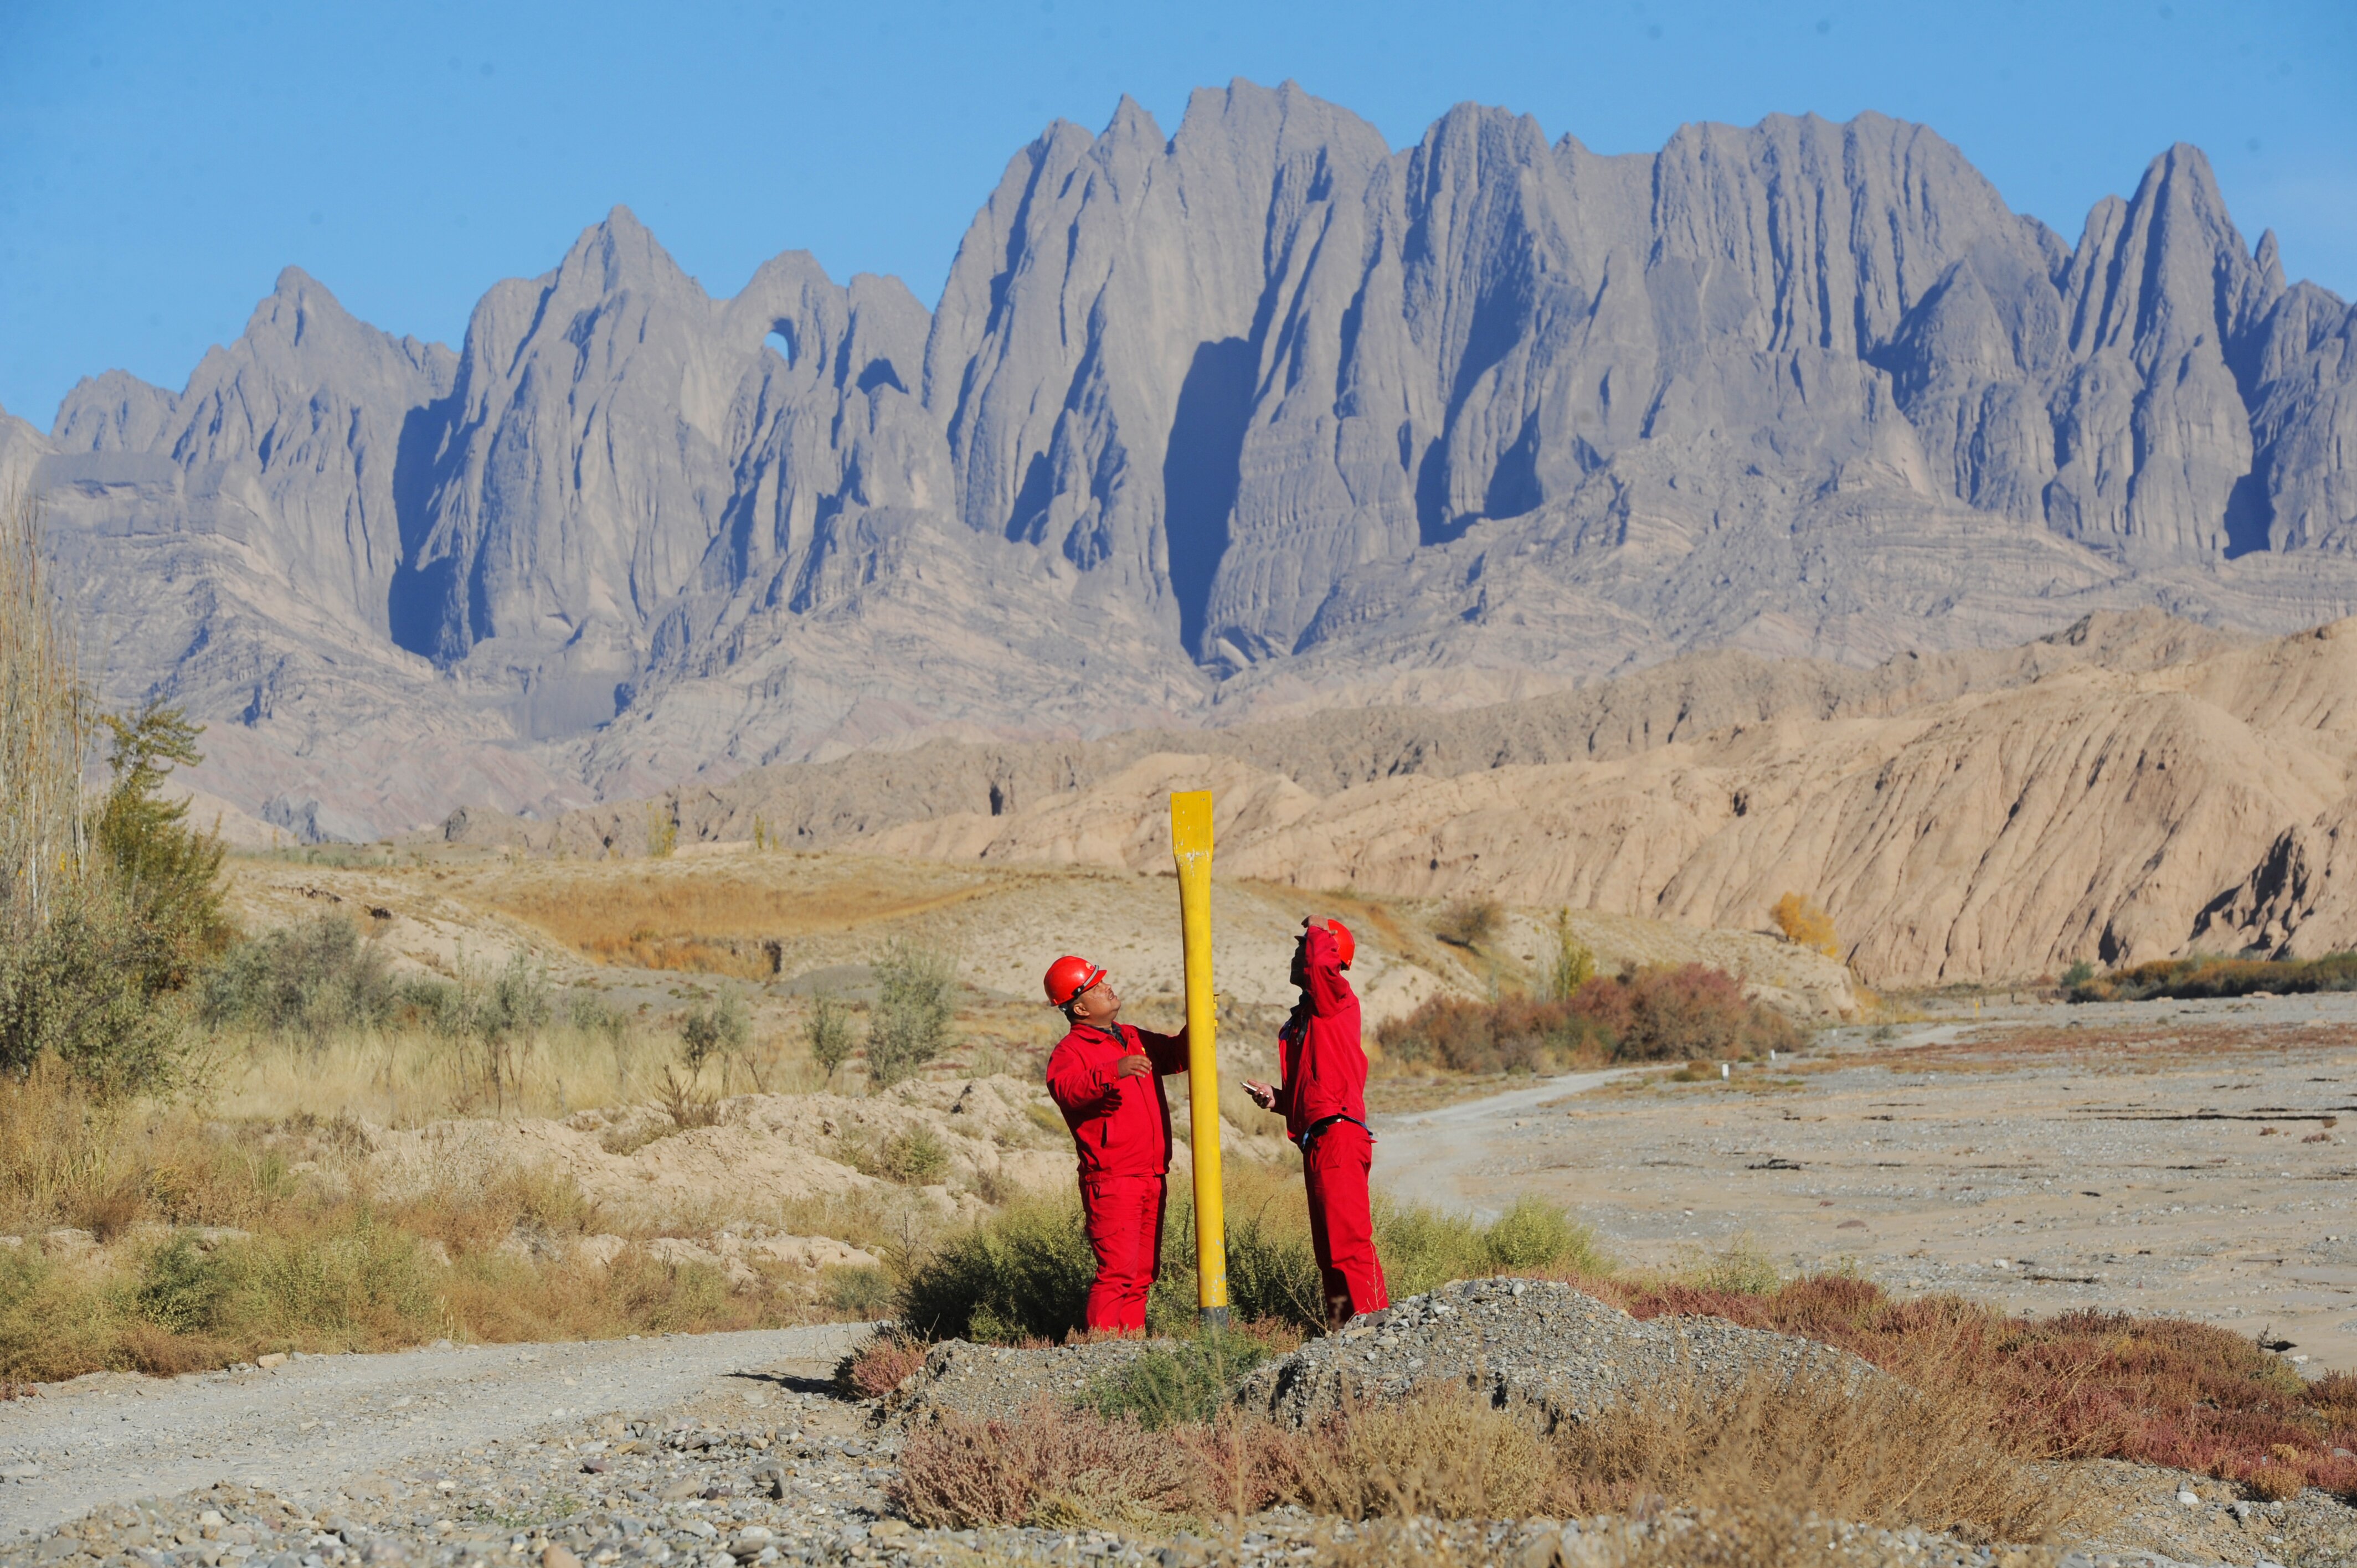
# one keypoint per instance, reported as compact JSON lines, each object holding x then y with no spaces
{"x":2203,"y":975}
{"x":916,"y":997}
{"x":828,"y":1032}
{"x":1273,"y":1270}
{"x":723,"y":1027}
{"x":856,"y":1290}
{"x":914,"y":1158}
{"x":1026,"y":1272}
{"x":1023,"y":1273}
{"x":1187,"y":1383}
{"x":181,"y":1289}
{"x":83,"y":991}
{"x":310,"y":979}
{"x":1571,"y":966}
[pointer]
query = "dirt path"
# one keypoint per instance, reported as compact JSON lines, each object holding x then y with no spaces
{"x":314,"y":1423}
{"x":2179,"y":1157}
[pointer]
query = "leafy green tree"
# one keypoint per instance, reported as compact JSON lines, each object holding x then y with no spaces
{"x":167,"y":873}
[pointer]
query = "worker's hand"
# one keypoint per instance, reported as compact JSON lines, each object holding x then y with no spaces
{"x":1133,"y":1067}
{"x":1262,"y":1095}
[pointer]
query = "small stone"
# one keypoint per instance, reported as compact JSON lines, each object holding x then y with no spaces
{"x":556,"y":1556}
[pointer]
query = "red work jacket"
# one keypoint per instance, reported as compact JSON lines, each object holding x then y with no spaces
{"x":1121,"y":1125}
{"x":1318,"y":1054}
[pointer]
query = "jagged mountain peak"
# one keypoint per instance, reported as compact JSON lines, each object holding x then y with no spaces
{"x":1262,"y":412}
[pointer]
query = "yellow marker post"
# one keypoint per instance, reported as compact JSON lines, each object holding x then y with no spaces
{"x":1191,"y":843}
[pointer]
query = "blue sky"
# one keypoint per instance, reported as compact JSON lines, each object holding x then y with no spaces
{"x":160,"y":163}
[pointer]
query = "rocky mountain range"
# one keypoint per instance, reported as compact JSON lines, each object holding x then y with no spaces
{"x":1257,"y":418}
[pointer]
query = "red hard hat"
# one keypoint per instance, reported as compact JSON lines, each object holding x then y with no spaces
{"x":1068,"y":977}
{"x":1345,"y":944}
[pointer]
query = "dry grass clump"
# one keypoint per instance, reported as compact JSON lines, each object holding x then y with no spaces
{"x":1050,"y":1466}
{"x":1790,"y":1446}
{"x":186,"y":1242}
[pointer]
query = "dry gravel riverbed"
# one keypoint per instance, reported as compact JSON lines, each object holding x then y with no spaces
{"x":2189,"y":1158}
{"x":736,"y":1452}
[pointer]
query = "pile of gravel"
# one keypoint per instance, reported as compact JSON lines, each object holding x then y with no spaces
{"x":994,"y":1380}
{"x":1524,"y":1341}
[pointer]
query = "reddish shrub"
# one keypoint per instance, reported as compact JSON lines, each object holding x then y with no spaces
{"x":1648,"y":1015}
{"x":2081,"y":1384}
{"x":879,"y":1365}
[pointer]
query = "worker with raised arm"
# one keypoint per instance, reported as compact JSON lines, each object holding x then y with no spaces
{"x":1322,"y":1093}
{"x":1106,"y":1077}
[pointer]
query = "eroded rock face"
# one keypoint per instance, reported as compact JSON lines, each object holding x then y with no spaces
{"x":1254,"y":416}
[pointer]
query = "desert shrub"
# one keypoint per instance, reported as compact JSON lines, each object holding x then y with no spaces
{"x":181,"y":1289}
{"x":1739,"y":1268}
{"x":1052,"y":1465}
{"x":1190,"y":1381}
{"x":916,"y":997}
{"x":2205,"y":976}
{"x":88,"y":975}
{"x":1442,"y":1453}
{"x":856,"y":1290}
{"x":1023,"y":1273}
{"x":828,"y":1033}
{"x":1273,"y":1270}
{"x":917,"y":1157}
{"x":880,"y":1364}
{"x":1513,"y":1033}
{"x":1805,"y":924}
{"x":1467,"y":923}
{"x":1647,"y":1014}
{"x":1423,"y":1249}
{"x":515,"y":1001}
{"x":1571,"y":965}
{"x":723,"y":1026}
{"x":309,"y":979}
{"x":82,"y":990}
{"x":663,"y":833}
{"x":1693,"y":1010}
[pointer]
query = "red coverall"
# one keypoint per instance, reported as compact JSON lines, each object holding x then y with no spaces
{"x":1121,"y":1126}
{"x":1325,"y":1077}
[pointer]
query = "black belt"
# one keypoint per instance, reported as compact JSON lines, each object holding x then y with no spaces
{"x":1309,"y":1134}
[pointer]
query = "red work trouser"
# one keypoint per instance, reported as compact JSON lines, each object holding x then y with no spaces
{"x":1125,"y":1221}
{"x":1334,"y":1167}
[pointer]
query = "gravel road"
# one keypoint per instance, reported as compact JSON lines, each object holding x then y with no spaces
{"x":1426,"y":1156}
{"x":306,"y":1426}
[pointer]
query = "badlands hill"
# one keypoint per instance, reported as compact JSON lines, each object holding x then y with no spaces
{"x":1259,"y":416}
{"x":2133,"y":788}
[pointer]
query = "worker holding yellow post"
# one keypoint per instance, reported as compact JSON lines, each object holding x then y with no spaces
{"x":1321,"y":1092}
